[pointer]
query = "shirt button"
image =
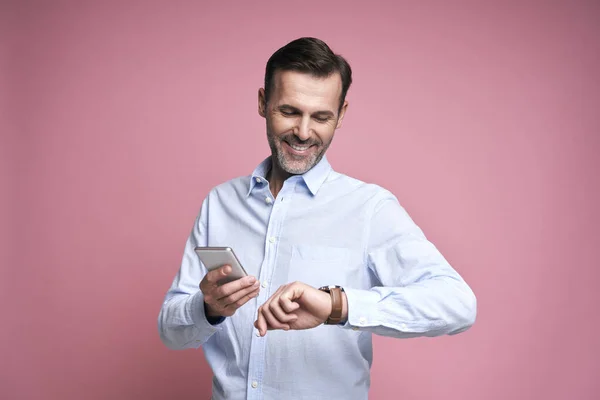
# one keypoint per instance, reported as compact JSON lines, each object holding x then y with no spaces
{"x":272,"y":239}
{"x":257,"y":333}
{"x":265,"y":284}
{"x":254,"y":384}
{"x":257,"y":180}
{"x":268,"y":200}
{"x":362,"y":320}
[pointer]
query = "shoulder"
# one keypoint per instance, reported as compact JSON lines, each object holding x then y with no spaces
{"x":370,"y":193}
{"x":235,"y":186}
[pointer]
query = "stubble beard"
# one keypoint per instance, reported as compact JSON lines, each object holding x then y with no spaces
{"x":291,"y":166}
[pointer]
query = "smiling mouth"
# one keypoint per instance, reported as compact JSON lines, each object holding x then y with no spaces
{"x":299,"y":148}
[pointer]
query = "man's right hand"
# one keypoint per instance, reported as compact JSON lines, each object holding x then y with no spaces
{"x":224,"y":300}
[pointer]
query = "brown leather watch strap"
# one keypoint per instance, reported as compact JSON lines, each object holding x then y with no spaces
{"x":336,"y":304}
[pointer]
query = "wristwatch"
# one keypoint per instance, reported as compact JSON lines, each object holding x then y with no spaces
{"x":337,"y":302}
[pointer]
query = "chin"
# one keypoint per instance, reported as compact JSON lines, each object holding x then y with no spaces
{"x":296,"y":171}
{"x":295,"y":167}
{"x":299,"y":167}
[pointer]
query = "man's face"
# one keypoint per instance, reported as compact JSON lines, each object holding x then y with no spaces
{"x":302,"y":116}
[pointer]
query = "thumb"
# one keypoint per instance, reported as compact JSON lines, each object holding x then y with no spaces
{"x":225,"y":270}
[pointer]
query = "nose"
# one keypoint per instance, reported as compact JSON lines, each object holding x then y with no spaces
{"x":303,"y":128}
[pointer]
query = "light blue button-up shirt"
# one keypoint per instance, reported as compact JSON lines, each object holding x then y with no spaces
{"x":324,"y":228}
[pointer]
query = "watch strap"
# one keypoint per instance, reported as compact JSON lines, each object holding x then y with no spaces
{"x":336,"y":304}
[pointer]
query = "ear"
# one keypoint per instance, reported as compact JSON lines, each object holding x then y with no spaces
{"x":262,"y":104}
{"x":341,"y":116}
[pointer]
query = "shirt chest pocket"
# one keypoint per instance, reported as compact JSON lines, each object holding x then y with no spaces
{"x":319,"y":265}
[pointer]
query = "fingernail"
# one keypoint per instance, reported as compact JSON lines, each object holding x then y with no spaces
{"x":226,"y":269}
{"x":251,"y":279}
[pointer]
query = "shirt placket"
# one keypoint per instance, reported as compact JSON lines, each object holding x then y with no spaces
{"x":258,"y":344}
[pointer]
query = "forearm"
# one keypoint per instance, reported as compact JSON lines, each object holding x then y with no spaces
{"x":437,"y":306}
{"x":182,"y":322}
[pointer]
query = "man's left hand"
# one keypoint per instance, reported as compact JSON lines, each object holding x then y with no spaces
{"x":294,"y":306}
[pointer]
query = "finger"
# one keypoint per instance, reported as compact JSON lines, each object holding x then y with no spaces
{"x":230,"y":288}
{"x":274,"y":304}
{"x":272,"y":321}
{"x":232,"y":307}
{"x":212,"y":277}
{"x":279,"y":313}
{"x":261,"y":323}
{"x":288,"y":305}
{"x":235,"y":297}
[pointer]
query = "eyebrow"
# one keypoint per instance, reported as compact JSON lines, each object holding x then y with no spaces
{"x":322,"y":113}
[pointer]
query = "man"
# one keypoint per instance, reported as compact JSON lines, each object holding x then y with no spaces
{"x":300,"y":229}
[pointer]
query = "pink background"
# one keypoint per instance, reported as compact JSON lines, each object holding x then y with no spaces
{"x":118,"y":117}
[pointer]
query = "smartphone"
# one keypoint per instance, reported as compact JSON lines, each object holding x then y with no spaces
{"x":215,"y":257}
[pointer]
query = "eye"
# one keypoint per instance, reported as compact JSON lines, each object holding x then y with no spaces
{"x":287,"y":113}
{"x":321,"y":119}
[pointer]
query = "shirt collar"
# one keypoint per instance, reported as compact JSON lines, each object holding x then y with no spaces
{"x":259,"y":175}
{"x":313,"y":178}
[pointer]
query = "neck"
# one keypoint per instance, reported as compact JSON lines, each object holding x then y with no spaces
{"x":276,"y":176}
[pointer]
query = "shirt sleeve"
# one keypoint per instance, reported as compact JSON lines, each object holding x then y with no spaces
{"x":419,"y":294}
{"x":182,"y":322}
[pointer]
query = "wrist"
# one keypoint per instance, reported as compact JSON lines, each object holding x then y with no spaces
{"x":211,"y":317}
{"x":208,"y":311}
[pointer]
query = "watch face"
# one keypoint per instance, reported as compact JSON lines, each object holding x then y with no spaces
{"x":330,"y":287}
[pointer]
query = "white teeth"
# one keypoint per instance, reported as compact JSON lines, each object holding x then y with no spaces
{"x":298,"y":148}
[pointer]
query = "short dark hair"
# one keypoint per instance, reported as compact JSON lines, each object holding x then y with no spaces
{"x":312,"y":56}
